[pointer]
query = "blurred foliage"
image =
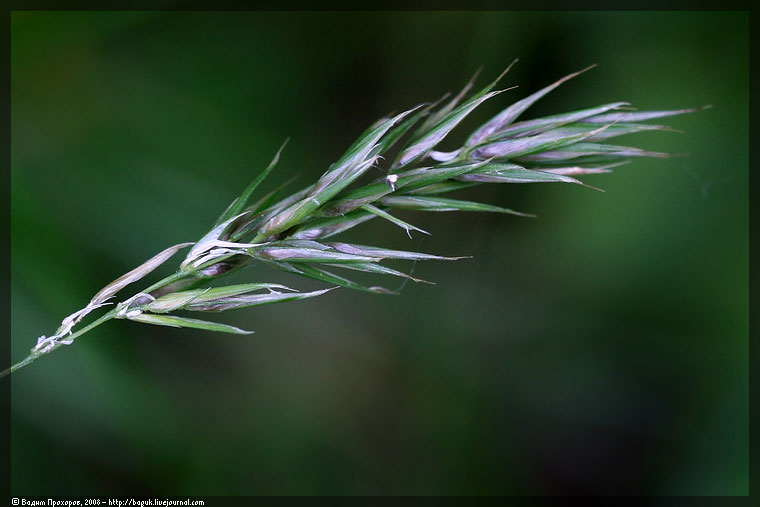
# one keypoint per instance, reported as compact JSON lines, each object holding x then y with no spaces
{"x":601,"y":349}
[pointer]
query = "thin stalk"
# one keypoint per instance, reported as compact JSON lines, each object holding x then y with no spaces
{"x":166,"y":281}
{"x":33,"y":357}
{"x":179,"y":275}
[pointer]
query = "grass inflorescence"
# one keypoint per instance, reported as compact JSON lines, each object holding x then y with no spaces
{"x":295,"y":233}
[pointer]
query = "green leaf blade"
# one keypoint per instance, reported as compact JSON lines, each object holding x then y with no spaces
{"x":174,"y":321}
{"x":440,"y":204}
{"x":239,"y":204}
{"x":322,"y":275}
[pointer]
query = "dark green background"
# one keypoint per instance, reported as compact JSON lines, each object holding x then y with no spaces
{"x":601,"y":349}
